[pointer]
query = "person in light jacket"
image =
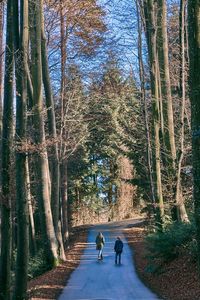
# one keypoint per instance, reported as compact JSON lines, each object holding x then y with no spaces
{"x":100,"y":242}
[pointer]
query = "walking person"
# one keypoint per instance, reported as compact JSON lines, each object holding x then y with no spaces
{"x":100,"y":242}
{"x":118,"y":249}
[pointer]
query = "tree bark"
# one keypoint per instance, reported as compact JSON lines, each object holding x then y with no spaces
{"x":1,"y":89}
{"x":163,"y":53}
{"x":110,"y":183}
{"x":33,"y":246}
{"x":150,"y":20}
{"x":63,"y":72}
{"x":7,"y":133}
{"x":194,"y":85}
{"x":53,"y":157}
{"x":182,"y":214}
{"x":169,"y":136}
{"x":63,"y":166}
{"x":144,"y":104}
{"x":1,"y":78}
{"x":21,"y":51}
{"x":49,"y":237}
{"x":64,"y":196}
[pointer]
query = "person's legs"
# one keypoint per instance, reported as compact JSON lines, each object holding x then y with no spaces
{"x":116,"y":257}
{"x":119,"y":258}
{"x":100,"y":254}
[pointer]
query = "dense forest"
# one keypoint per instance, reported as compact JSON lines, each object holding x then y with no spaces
{"x":99,"y":120}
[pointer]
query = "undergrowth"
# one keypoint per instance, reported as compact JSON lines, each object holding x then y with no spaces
{"x":176,"y":238}
{"x":37,"y":265}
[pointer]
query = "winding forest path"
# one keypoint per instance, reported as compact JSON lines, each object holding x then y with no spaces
{"x":103,"y":280}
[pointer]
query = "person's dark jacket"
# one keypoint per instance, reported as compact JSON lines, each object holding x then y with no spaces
{"x":118,"y":246}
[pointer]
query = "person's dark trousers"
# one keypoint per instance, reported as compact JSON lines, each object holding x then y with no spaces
{"x":118,"y":255}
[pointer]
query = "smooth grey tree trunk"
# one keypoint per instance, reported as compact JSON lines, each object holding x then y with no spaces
{"x":150,"y":20}
{"x":63,"y":161}
{"x":64,"y":197}
{"x":32,"y":246}
{"x":169,"y":135}
{"x":144,"y":104}
{"x":48,"y":232}
{"x":53,"y":155}
{"x":162,"y":41}
{"x":182,"y":214}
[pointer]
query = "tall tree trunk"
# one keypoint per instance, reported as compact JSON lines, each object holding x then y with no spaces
{"x":49,"y":237}
{"x":33,"y":246}
{"x":1,"y":79}
{"x":1,"y":89}
{"x":6,"y":232}
{"x":53,"y":158}
{"x":63,"y":71}
{"x":144,"y":105}
{"x":150,"y":20}
{"x":21,"y":51}
{"x":162,"y":42}
{"x":194,"y":84}
{"x":64,"y":196}
{"x":63,"y":167}
{"x":182,"y":214}
{"x":169,"y":137}
{"x":110,"y":183}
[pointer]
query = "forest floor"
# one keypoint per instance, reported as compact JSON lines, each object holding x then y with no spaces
{"x":50,"y":284}
{"x":178,"y":281}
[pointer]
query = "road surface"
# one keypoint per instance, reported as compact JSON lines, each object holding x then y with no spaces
{"x":103,"y":280}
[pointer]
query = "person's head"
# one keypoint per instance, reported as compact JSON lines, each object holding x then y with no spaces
{"x":100,"y":234}
{"x":118,"y":238}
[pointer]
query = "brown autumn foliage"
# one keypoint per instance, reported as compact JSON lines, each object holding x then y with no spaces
{"x":179,"y":279}
{"x":50,"y":284}
{"x":84,"y":25}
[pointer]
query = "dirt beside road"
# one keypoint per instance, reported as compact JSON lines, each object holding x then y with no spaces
{"x":179,"y":279}
{"x":50,"y":284}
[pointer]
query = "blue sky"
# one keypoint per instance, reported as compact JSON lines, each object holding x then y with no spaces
{"x":120,"y":39}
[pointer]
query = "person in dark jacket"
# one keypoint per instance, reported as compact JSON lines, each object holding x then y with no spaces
{"x":118,"y":249}
{"x":100,"y":241}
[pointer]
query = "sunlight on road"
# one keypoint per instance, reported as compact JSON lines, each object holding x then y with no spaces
{"x":104,"y":280}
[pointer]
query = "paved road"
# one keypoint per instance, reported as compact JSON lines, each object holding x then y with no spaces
{"x":103,"y":280}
